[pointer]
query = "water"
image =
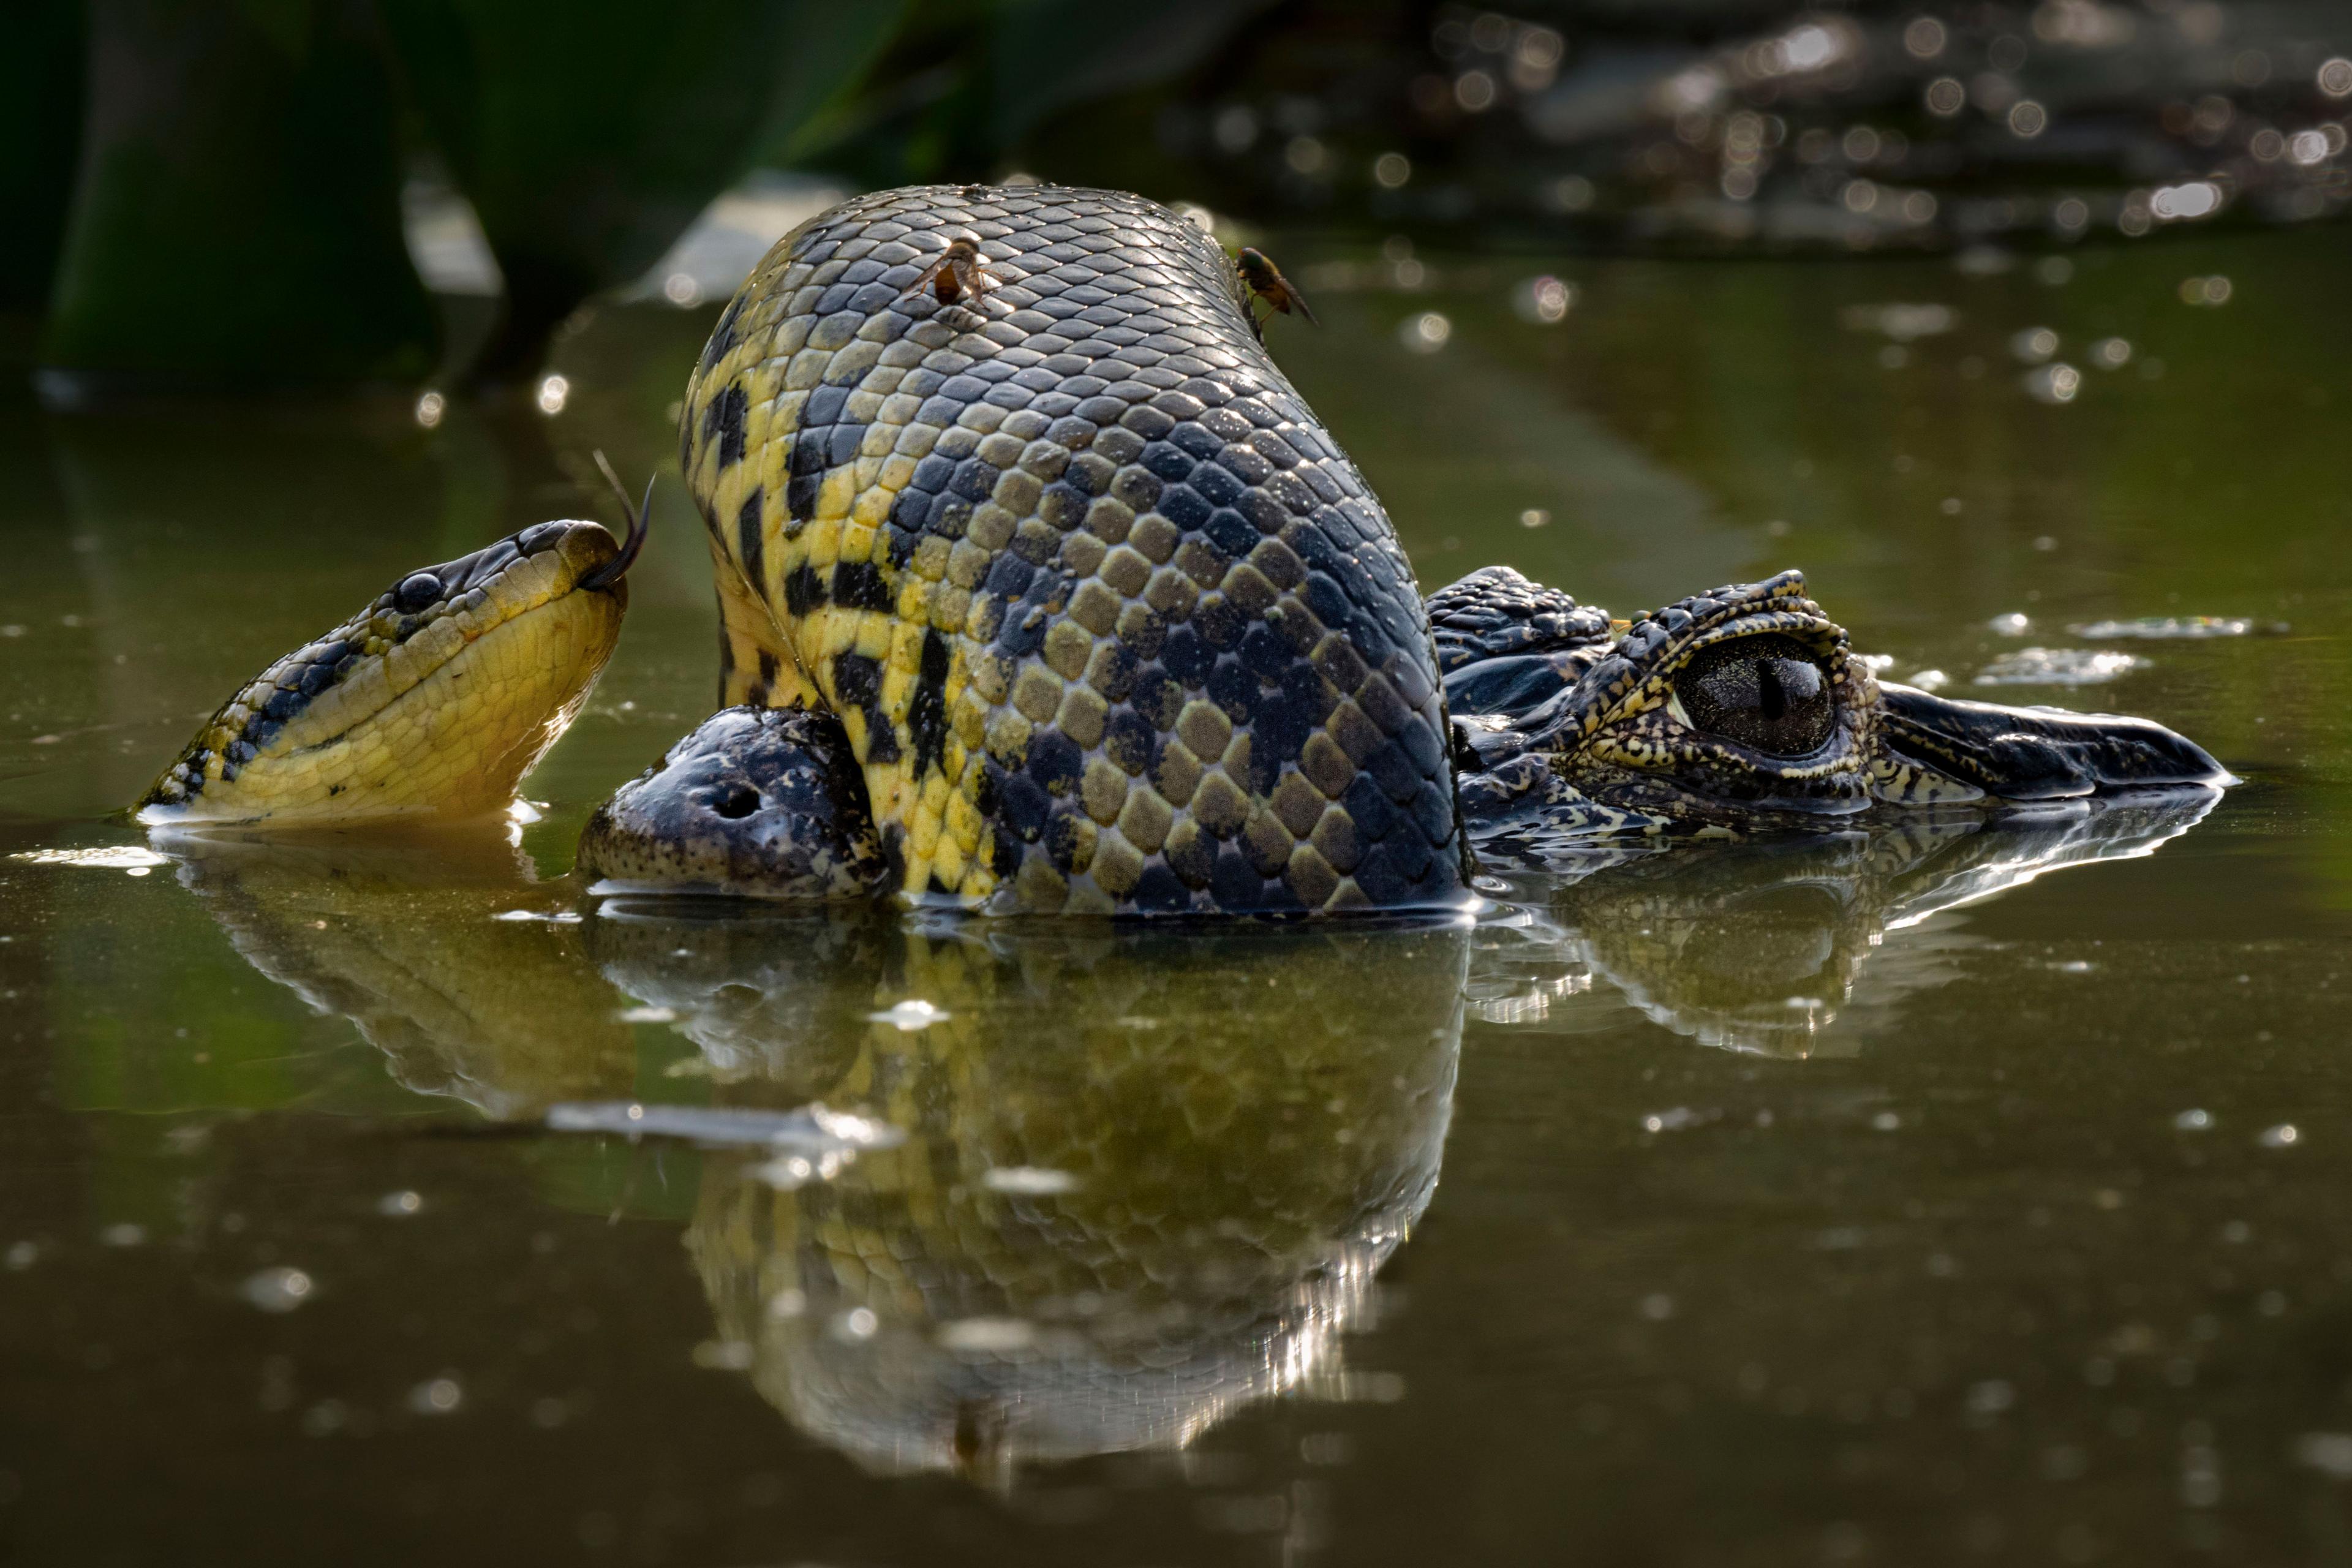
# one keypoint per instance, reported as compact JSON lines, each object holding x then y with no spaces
{"x":1942,"y":1195}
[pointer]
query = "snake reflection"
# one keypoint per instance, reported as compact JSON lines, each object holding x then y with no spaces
{"x":1148,"y":1177}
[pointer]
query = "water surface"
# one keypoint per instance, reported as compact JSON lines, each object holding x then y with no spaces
{"x":1965,"y":1193}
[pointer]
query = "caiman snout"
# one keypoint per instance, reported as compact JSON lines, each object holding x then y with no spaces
{"x":758,"y":801}
{"x":2039,"y":754}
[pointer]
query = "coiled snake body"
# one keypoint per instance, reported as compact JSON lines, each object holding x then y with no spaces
{"x":1111,"y":620}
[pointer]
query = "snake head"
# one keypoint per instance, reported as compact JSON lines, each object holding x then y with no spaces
{"x":433,"y":701}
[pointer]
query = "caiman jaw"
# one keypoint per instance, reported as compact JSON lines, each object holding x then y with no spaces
{"x":1939,"y":747}
{"x":432,"y":702}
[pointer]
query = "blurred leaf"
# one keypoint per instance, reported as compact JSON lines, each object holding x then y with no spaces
{"x":286,"y":23}
{"x":1095,"y":51}
{"x":826,"y":66}
{"x":588,"y":143}
{"x":965,"y":83}
{"x":41,"y":82}
{"x":237,"y":219}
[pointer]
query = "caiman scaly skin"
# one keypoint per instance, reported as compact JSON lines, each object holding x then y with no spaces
{"x":1564,"y":716}
{"x":1111,"y":622}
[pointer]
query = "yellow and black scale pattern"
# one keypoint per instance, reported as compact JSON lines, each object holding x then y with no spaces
{"x":1111,"y":621}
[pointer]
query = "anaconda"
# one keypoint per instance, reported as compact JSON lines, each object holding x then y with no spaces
{"x":1049,"y":592}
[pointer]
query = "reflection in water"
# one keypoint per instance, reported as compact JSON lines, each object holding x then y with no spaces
{"x":1144,"y":1175}
{"x":1148,"y":1178}
{"x":405,"y":936}
{"x":1147,"y":1175}
{"x":1761,"y":947}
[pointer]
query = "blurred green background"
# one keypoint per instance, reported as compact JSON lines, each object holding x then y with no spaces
{"x":247,"y":193}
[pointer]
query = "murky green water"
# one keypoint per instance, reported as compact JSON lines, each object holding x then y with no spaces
{"x":1963,"y":1197}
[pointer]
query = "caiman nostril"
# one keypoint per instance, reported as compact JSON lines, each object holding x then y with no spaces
{"x":738,"y":801}
{"x":417,"y":592}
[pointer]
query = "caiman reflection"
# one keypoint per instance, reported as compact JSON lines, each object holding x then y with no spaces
{"x":1149,"y":1175}
{"x":1762,"y":948}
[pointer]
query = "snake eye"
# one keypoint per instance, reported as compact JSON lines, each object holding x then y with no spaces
{"x":1765,"y":692}
{"x":415,"y":593}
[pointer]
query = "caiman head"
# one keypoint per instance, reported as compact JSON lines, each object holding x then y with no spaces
{"x":1739,"y":708}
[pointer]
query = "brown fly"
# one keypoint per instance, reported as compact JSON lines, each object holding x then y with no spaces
{"x":1265,"y":281}
{"x":960,"y":277}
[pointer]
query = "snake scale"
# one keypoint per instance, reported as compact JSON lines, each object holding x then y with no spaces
{"x":1111,"y":621}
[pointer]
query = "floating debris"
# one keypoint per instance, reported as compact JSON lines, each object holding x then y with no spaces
{"x":987,"y":1336}
{"x":1904,"y":323}
{"x":812,"y":1128}
{"x":910,"y":1016}
{"x":1425,"y":334}
{"x":1543,"y":301}
{"x":2058,"y":667}
{"x":2033,"y":345}
{"x":1991,"y":1397}
{"x":437,"y":1396}
{"x":278,"y":1289}
{"x":1029,"y":1181}
{"x":2053,"y":383}
{"x":135,"y":858}
{"x":2329,"y":1453}
{"x":546,"y":916}
{"x":2179,"y":627}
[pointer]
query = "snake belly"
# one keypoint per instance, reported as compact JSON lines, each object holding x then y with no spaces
{"x":1112,"y":623}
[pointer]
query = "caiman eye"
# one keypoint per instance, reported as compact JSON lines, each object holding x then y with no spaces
{"x":1765,"y":692}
